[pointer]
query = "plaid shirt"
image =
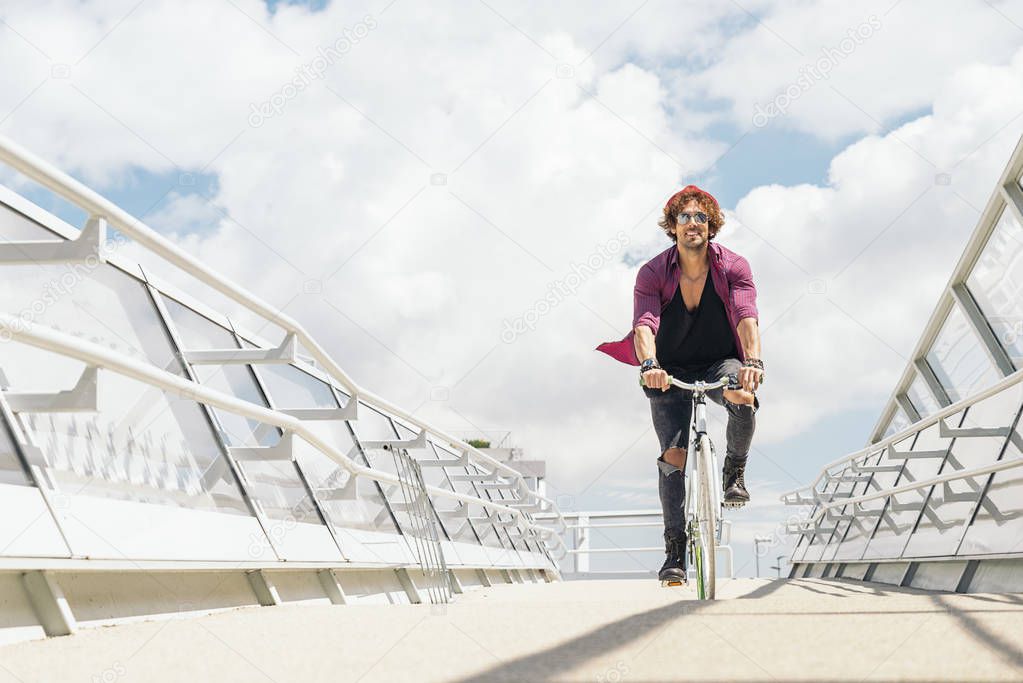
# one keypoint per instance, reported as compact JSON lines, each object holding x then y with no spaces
{"x":657,"y":281}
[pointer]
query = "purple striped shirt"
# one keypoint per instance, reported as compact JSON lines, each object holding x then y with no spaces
{"x":657,"y":281}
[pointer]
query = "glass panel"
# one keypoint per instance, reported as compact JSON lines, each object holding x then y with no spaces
{"x":815,"y":548}
{"x":454,"y":529}
{"x":951,"y":504}
{"x":899,"y":422}
{"x":837,"y":526}
{"x":17,"y":228}
{"x":275,"y":485}
{"x":104,"y":306}
{"x":921,"y":397}
{"x":996,"y":283}
{"x":432,"y":476}
{"x":958,"y":359}
{"x":197,"y":332}
{"x":801,"y":542}
{"x":145,"y":446}
{"x":998,"y":526}
{"x":861,"y":526}
{"x":290,"y":388}
{"x":500,"y":536}
{"x":474,"y":532}
{"x":280,"y":492}
{"x":11,"y":471}
{"x":903,"y":510}
{"x":373,"y":425}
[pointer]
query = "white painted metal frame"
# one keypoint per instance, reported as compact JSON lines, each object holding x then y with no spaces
{"x":91,"y":240}
{"x":831,"y":508}
{"x":824,"y":520}
{"x":579,"y":525}
{"x":1006,"y":196}
{"x":95,"y":205}
{"x":99,"y":356}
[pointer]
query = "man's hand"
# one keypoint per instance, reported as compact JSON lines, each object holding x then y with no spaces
{"x":750,"y":378}
{"x":656,"y":378}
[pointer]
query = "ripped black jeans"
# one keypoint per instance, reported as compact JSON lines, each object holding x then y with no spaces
{"x":672,"y":410}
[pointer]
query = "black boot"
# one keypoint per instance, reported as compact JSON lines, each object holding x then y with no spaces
{"x":672,"y":492}
{"x":674,"y":568}
{"x":734,"y":483}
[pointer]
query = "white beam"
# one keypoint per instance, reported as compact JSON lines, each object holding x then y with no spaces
{"x":86,"y":248}
{"x":281,"y":355}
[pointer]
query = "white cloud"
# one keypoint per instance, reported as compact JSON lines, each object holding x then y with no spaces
{"x":537,"y":174}
{"x":894,"y":67}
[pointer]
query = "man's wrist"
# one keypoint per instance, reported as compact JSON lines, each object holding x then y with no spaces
{"x":648,"y":364}
{"x":754,"y":363}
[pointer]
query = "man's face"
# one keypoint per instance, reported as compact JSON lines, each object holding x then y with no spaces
{"x":692,"y":235}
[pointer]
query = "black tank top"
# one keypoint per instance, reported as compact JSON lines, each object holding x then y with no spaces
{"x":691,"y":342}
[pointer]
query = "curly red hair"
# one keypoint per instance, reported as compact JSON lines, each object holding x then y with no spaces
{"x":707,"y":204}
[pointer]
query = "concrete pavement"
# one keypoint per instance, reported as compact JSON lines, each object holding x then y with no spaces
{"x":628,"y":631}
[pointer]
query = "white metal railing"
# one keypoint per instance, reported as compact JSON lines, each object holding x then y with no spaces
{"x":795,"y":497}
{"x":853,"y":469}
{"x":98,"y":208}
{"x":93,"y":354}
{"x":94,"y":204}
{"x":579,"y":525}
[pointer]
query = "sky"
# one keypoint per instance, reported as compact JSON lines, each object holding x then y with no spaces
{"x":412,"y":181}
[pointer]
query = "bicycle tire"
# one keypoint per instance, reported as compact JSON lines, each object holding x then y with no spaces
{"x":707,"y":517}
{"x":701,"y":589}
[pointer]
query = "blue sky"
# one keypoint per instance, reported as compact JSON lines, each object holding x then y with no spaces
{"x":311,"y":4}
{"x":342,"y":175}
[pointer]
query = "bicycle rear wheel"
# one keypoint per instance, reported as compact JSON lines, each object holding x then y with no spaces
{"x":707,"y":518}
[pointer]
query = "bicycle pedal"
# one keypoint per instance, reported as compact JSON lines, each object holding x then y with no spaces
{"x":672,"y":584}
{"x":734,"y":504}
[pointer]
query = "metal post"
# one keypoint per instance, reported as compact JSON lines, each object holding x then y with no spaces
{"x":757,"y":540}
{"x":582,"y":543}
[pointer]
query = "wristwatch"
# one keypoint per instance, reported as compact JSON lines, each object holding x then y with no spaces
{"x":648,"y":364}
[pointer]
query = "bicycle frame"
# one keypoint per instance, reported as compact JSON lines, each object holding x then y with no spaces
{"x":705,"y":495}
{"x":697,"y":428}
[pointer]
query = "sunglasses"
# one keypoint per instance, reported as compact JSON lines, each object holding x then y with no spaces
{"x":684,"y":218}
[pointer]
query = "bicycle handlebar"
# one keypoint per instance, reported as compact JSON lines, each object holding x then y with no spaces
{"x":727,"y":382}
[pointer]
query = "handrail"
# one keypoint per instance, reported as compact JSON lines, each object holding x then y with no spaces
{"x":918,"y":426}
{"x":581,"y":551}
{"x":923,"y":483}
{"x":32,"y":166}
{"x":608,"y":514}
{"x":93,"y":354}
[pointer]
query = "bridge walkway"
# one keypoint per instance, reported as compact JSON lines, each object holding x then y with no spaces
{"x":629,"y":631}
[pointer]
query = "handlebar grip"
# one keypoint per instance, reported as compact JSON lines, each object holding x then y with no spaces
{"x":643,"y":384}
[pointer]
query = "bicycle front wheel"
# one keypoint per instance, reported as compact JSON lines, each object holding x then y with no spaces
{"x":707,"y":517}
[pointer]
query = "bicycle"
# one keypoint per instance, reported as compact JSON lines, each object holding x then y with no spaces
{"x":703,"y":504}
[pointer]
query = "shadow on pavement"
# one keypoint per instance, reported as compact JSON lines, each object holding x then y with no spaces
{"x":552,"y":663}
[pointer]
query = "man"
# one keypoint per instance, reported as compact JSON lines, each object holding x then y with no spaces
{"x":695,"y":318}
